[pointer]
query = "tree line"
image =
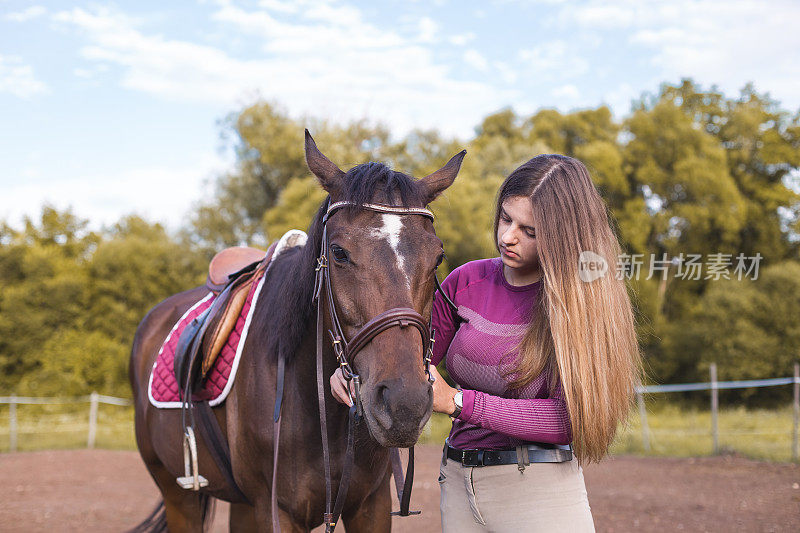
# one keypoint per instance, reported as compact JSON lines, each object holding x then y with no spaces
{"x":688,"y":172}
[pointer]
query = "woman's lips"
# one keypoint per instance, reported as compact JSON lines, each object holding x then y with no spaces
{"x":509,"y":253}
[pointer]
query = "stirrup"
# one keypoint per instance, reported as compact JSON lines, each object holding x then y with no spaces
{"x":192,"y":480}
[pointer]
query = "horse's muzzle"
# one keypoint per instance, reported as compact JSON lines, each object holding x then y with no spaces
{"x":399,"y":411}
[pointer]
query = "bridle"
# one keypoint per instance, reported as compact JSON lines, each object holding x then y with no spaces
{"x":396,"y":317}
{"x":346,"y":351}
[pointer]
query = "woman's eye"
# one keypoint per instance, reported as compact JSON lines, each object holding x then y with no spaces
{"x":531,"y":234}
{"x":339,"y":254}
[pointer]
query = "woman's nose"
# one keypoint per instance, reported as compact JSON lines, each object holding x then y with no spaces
{"x":509,"y":237}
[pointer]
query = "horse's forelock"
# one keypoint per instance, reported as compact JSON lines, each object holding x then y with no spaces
{"x":376,"y":183}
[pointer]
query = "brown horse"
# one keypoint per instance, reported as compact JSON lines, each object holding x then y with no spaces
{"x":377,"y":261}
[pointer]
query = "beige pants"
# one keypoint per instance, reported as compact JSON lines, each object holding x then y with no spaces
{"x":547,"y":497}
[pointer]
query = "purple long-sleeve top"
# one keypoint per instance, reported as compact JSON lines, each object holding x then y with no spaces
{"x":480,"y":347}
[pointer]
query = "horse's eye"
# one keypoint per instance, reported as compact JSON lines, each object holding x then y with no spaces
{"x":440,"y":260}
{"x":339,"y":254}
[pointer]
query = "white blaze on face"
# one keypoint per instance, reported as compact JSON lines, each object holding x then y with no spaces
{"x":392,"y":226}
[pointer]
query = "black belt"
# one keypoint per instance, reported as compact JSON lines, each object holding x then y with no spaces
{"x":536,"y":454}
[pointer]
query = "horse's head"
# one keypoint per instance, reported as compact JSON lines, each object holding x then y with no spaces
{"x":379,"y":261}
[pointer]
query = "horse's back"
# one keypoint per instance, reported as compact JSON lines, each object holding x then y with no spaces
{"x":152,"y":331}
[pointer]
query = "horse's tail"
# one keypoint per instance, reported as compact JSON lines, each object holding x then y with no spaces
{"x":156,"y":522}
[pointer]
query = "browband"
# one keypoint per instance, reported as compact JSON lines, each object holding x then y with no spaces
{"x":380,"y":208}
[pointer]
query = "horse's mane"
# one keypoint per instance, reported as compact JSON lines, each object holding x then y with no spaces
{"x":292,"y":275}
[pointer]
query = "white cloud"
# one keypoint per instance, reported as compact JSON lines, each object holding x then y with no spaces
{"x":619,"y":99}
{"x":461,"y":39}
{"x":568,"y":91}
{"x":474,"y":58}
{"x":554,"y":57}
{"x":157,"y":192}
{"x":82,"y":73}
{"x":428,"y":30}
{"x":279,"y":6}
{"x":26,"y":14}
{"x":604,"y":16}
{"x":331,"y":62}
{"x":507,"y":74}
{"x":17,"y":78}
{"x":724,"y":42}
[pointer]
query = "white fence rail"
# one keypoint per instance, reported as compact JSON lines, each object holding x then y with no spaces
{"x":93,"y":399}
{"x":714,"y":386}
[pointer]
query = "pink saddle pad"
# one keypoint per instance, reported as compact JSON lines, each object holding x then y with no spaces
{"x":163,"y":388}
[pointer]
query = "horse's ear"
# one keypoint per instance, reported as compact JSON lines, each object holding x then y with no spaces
{"x":329,"y":175}
{"x":434,"y":184}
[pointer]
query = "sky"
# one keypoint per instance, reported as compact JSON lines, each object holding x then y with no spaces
{"x":116,"y":108}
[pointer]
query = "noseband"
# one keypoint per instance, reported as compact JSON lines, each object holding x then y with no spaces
{"x":396,"y":317}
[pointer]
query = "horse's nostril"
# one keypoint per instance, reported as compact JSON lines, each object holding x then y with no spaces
{"x":385,"y":395}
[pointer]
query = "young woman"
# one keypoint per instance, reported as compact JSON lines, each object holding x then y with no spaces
{"x":545,"y":352}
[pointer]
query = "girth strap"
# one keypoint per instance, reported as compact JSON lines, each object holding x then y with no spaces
{"x":218,"y":446}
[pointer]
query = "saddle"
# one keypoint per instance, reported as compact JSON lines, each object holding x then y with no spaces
{"x":231,"y":275}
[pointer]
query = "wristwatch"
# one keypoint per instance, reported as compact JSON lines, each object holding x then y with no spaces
{"x":458,"y":399}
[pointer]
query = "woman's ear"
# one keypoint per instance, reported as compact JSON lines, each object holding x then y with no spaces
{"x":434,"y":184}
{"x":329,"y":175}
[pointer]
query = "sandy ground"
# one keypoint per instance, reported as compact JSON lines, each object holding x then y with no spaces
{"x":101,"y":490}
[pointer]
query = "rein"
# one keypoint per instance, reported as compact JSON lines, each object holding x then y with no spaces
{"x":346,"y":351}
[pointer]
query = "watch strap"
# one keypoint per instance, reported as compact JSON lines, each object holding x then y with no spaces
{"x":458,"y":407}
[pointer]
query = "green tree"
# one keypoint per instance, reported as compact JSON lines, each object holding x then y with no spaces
{"x":269,"y":145}
{"x":136,"y":266}
{"x":70,"y":299}
{"x":762,"y":145}
{"x":747,"y":327}
{"x":43,"y":286}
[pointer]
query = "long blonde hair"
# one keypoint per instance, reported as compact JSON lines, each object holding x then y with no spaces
{"x":581,"y":332}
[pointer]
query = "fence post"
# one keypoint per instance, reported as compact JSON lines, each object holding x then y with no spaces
{"x":714,"y":406}
{"x":795,"y":446}
{"x":92,"y":420}
{"x":12,"y":423}
{"x":643,"y":420}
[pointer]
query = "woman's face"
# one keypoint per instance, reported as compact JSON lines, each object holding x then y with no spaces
{"x":516,"y":236}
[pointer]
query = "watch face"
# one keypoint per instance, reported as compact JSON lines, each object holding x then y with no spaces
{"x":457,"y":399}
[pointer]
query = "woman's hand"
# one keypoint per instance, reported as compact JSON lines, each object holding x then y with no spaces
{"x":442,"y":394}
{"x":339,"y":387}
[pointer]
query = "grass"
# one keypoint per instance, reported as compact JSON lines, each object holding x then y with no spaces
{"x":764,"y":434}
{"x":673,"y":430}
{"x":66,"y":426}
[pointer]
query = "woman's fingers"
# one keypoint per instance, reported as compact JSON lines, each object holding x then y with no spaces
{"x":339,"y":387}
{"x":442,"y":393}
